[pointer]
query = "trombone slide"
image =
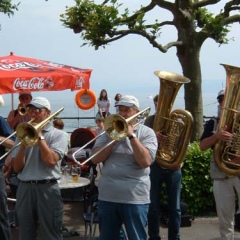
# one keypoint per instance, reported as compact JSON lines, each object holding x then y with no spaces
{"x":116,"y":128}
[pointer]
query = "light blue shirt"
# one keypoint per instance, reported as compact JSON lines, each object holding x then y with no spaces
{"x":35,"y":168}
{"x":122,"y":179}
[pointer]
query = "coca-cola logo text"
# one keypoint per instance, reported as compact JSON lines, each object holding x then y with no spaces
{"x":36,"y":83}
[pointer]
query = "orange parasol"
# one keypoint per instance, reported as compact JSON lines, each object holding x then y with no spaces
{"x":28,"y":74}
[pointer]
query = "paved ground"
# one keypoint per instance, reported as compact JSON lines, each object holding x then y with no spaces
{"x":201,"y":228}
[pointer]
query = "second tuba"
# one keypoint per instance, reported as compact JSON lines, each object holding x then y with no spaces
{"x":176,"y":125}
{"x":227,"y":154}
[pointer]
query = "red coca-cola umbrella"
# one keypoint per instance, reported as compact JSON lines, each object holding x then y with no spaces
{"x":19,"y":74}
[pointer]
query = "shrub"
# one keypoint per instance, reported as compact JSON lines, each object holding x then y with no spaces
{"x":196,"y":182}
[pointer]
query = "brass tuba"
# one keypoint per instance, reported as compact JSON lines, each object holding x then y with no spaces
{"x":176,"y":125}
{"x":227,"y":154}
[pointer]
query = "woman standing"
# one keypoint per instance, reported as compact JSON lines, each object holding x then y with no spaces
{"x":117,"y":98}
{"x":103,"y":103}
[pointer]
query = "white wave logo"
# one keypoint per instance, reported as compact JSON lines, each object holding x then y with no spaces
{"x":80,"y":82}
{"x":18,"y":65}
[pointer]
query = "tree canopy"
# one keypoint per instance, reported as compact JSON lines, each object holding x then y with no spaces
{"x":7,"y":7}
{"x":101,"y":24}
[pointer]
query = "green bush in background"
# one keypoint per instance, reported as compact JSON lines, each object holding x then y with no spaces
{"x":196,"y":182}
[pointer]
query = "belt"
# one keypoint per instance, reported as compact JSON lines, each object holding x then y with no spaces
{"x":46,"y":181}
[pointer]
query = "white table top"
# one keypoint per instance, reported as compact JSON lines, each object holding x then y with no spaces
{"x":81,"y":183}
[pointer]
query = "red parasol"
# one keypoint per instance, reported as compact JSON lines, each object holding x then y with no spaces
{"x":28,"y":74}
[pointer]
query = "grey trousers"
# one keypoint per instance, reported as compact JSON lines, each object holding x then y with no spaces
{"x":5,"y":231}
{"x":39,"y":211}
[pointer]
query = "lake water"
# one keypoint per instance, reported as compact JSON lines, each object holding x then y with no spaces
{"x":144,"y":94}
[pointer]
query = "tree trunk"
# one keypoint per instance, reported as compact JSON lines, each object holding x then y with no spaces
{"x":189,"y":59}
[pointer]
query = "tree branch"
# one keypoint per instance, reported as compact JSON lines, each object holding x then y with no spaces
{"x":160,"y":24}
{"x":229,"y":7}
{"x":232,"y":19}
{"x":151,"y":39}
{"x":204,"y":3}
{"x":141,"y":10}
{"x":166,"y":5}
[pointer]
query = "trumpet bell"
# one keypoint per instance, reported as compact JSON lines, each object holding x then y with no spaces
{"x":116,"y":127}
{"x":22,"y":111}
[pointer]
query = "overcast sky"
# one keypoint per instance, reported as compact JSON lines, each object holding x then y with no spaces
{"x":124,"y":66}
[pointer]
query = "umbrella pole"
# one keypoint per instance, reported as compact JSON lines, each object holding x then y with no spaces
{"x":12,"y":101}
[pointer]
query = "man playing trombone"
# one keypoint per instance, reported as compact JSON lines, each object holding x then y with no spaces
{"x":39,"y":207}
{"x":124,"y":184}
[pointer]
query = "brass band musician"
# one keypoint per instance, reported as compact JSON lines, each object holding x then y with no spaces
{"x":225,"y":188}
{"x":20,"y":114}
{"x":39,"y":208}
{"x":124,"y":184}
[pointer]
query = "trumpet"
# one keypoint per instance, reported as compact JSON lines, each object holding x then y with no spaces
{"x":22,"y":110}
{"x":27,"y":133}
{"x":116,"y":127}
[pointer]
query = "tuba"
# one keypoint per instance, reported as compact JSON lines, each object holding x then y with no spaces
{"x":227,"y":154}
{"x":175,"y":125}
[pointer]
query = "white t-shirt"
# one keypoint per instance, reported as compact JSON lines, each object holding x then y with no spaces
{"x":103,"y":104}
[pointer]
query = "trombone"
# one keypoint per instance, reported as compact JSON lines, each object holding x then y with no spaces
{"x":14,"y":133}
{"x":116,"y":127}
{"x":27,"y":133}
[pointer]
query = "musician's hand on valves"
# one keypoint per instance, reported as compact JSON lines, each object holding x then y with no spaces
{"x":223,"y":135}
{"x":161,"y":137}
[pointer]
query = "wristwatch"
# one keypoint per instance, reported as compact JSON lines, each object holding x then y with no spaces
{"x":41,"y":138}
{"x":132,"y":136}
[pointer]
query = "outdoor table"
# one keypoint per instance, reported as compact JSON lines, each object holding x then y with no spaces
{"x":82,"y":182}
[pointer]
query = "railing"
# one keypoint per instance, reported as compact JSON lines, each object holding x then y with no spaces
{"x":72,"y":123}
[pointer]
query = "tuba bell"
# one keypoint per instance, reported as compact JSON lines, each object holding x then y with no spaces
{"x":227,"y":154}
{"x":176,"y":125}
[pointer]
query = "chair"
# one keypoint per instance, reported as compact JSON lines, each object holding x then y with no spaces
{"x":91,"y":217}
{"x":11,"y":212}
{"x":81,"y":136}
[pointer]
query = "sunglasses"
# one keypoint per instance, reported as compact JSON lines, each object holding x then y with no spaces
{"x":34,"y":110}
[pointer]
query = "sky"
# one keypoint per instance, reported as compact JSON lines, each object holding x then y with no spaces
{"x":126,"y":66}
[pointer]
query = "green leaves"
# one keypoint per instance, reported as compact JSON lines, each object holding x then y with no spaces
{"x":196,"y":181}
{"x":7,"y":7}
{"x":214,"y":26}
{"x":94,"y":22}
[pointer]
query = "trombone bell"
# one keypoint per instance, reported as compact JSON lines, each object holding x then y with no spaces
{"x":116,"y":127}
{"x":27,"y":133}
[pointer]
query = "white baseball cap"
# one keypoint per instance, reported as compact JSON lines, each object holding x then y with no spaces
{"x":128,"y":101}
{"x":221,"y":93}
{"x":40,"y":102}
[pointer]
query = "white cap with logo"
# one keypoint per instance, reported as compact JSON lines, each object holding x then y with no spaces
{"x":40,"y":102}
{"x":128,"y":101}
{"x":221,"y":93}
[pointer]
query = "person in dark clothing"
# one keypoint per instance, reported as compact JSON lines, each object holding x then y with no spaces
{"x":172,"y":179}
